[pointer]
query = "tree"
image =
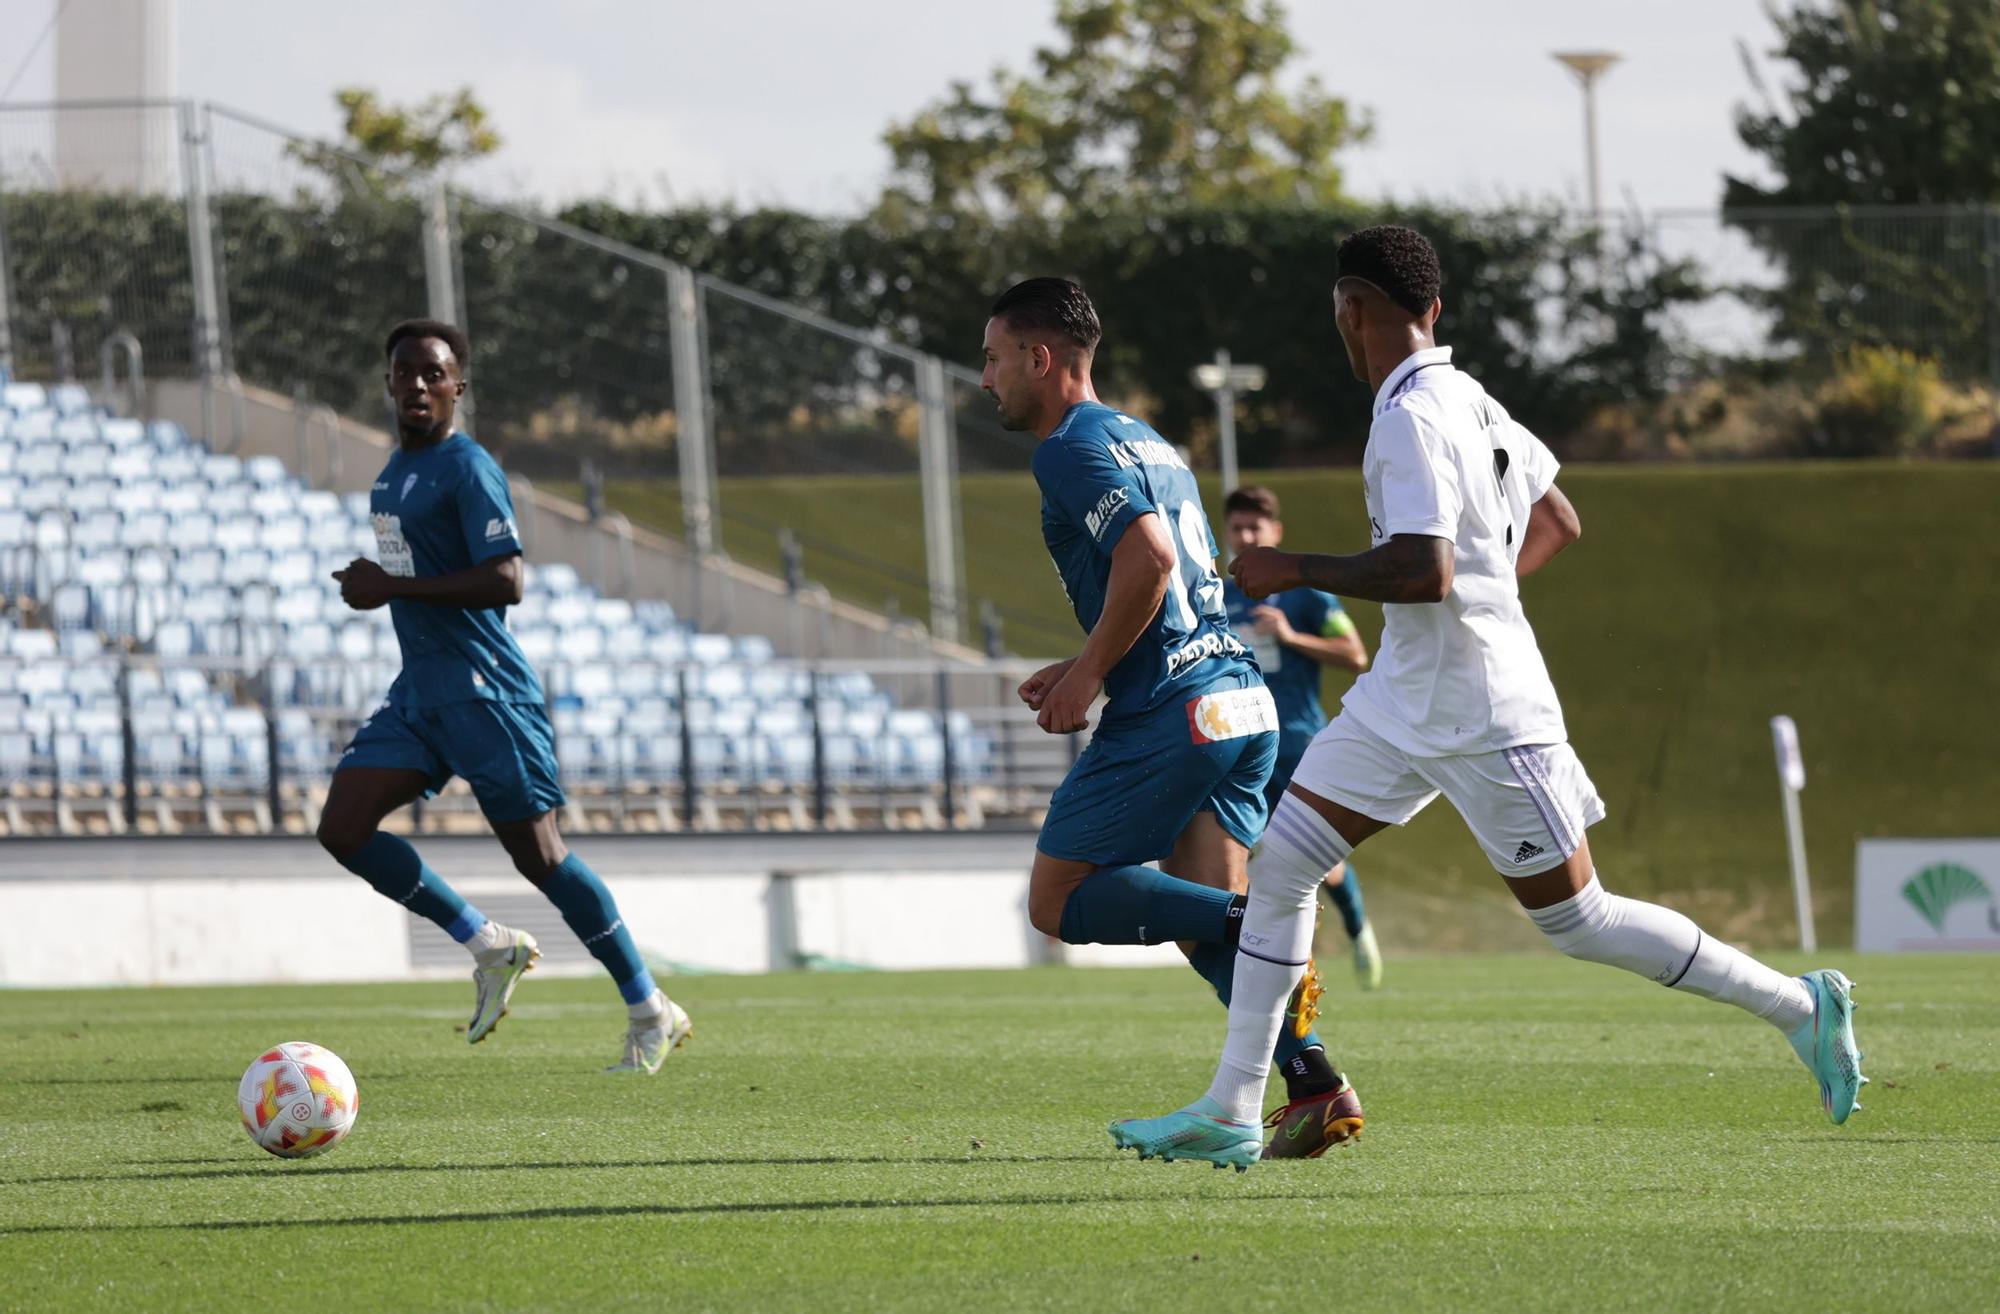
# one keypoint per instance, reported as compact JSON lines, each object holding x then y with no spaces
{"x":383,"y":144}
{"x":1148,"y":100}
{"x":1889,"y":103}
{"x":1894,"y":102}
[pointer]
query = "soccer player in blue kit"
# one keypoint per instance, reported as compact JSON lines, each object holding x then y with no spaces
{"x":1294,"y":634}
{"x":1177,"y":767}
{"x":467,"y":703}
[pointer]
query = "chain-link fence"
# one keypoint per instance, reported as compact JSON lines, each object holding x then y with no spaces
{"x":827,"y":455}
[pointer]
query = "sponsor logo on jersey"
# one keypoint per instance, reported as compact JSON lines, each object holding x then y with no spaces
{"x":1231,"y":714}
{"x":381,"y":485}
{"x":1214,"y":643}
{"x":1099,"y":517}
{"x":498,"y":528}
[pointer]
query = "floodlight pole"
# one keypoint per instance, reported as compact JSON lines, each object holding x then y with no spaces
{"x":1588,"y":66}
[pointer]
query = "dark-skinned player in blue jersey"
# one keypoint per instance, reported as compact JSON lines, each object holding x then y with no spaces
{"x":1176,"y":768}
{"x":1295,"y":634}
{"x":467,"y":704}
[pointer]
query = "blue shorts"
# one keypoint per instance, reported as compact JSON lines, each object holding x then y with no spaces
{"x":505,"y":751}
{"x":1291,"y":747}
{"x":1139,"y":783}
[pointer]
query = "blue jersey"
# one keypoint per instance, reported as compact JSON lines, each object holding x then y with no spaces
{"x":436,"y":511}
{"x":1099,"y":471}
{"x":1292,"y":676}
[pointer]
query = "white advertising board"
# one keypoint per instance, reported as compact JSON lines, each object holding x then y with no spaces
{"x":1927,"y":895}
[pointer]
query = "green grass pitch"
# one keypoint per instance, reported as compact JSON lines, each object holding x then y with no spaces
{"x":1542,"y":1134}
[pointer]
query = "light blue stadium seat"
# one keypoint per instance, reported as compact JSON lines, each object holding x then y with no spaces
{"x":176,"y":468}
{"x":653,"y":615}
{"x":23,"y":397}
{"x":557,"y":578}
{"x":88,"y":461}
{"x":668,"y":647}
{"x":174,"y":639}
{"x":147,"y":529}
{"x":74,"y":431}
{"x":267,"y":472}
{"x":121,"y":433}
{"x":69,"y":399}
{"x":41,"y":460}
{"x":625,"y":643}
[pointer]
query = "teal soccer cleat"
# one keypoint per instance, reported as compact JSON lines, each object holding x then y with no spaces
{"x":1197,"y":1132}
{"x":1826,"y":1043}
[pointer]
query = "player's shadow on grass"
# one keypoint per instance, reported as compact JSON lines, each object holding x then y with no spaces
{"x":275,"y":1172}
{"x":718,"y":1210}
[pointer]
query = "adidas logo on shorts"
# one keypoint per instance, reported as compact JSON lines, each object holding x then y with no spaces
{"x":1528,"y":850}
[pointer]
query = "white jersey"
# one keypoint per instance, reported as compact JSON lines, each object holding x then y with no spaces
{"x":1463,"y":675}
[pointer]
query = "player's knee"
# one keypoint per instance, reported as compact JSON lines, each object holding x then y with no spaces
{"x":1045,"y":910}
{"x":342,"y":837}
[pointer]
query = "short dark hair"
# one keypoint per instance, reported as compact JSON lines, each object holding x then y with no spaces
{"x":1255,"y":499}
{"x":1050,"y":305}
{"x":450,"y":334}
{"x":1400,"y":261}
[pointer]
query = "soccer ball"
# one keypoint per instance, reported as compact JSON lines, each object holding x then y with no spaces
{"x":297,"y":1100}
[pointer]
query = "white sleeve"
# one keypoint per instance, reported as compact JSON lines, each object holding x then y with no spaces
{"x":1541,"y":466}
{"x":1416,"y":475}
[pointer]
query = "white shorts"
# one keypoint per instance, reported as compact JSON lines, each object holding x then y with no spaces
{"x":1527,"y":806}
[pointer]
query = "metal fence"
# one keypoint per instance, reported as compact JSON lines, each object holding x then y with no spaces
{"x":112,"y":742}
{"x":233,"y":250}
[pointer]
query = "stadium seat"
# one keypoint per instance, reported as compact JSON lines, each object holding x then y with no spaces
{"x":119,"y":529}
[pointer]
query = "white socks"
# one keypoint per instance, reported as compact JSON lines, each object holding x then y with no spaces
{"x":1298,"y":850}
{"x":650,"y":1008}
{"x":489,"y":937}
{"x":1663,"y":946}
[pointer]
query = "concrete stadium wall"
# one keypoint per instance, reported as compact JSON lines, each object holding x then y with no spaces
{"x":715,"y":594}
{"x":243,"y":911}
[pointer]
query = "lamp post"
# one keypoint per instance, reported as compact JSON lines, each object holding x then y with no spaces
{"x":1222,"y":379}
{"x":1588,"y":66}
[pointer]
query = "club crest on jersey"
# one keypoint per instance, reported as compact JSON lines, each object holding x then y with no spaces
{"x":409,"y":482}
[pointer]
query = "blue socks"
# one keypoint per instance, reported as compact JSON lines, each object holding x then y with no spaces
{"x":1217,"y":965}
{"x":388,"y":863}
{"x":1139,"y":905}
{"x":592,"y":913}
{"x":1346,"y":900}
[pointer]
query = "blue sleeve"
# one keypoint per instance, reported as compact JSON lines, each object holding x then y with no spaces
{"x":486,"y":512}
{"x":1090,"y":489}
{"x":1309,"y":611}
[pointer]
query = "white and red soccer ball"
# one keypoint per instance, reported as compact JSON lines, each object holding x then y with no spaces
{"x":297,"y":1100}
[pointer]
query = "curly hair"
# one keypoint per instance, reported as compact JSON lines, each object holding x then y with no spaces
{"x":450,"y":334}
{"x":1400,"y":261}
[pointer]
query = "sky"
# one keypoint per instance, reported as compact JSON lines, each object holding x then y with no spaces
{"x":768,"y":102}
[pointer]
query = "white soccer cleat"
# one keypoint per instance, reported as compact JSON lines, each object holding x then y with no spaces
{"x":1367,"y":958}
{"x":494,"y":976}
{"x":648,"y":1043}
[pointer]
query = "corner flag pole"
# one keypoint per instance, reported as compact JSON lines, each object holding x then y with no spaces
{"x":1792,"y":779}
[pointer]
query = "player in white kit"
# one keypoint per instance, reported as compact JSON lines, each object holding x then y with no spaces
{"x":1462,"y":502}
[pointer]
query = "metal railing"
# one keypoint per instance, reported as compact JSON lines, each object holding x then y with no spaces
{"x":723,"y":414}
{"x":249,"y":743}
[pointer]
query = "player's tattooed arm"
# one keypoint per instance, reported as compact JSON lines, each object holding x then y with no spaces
{"x":1407,"y":568}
